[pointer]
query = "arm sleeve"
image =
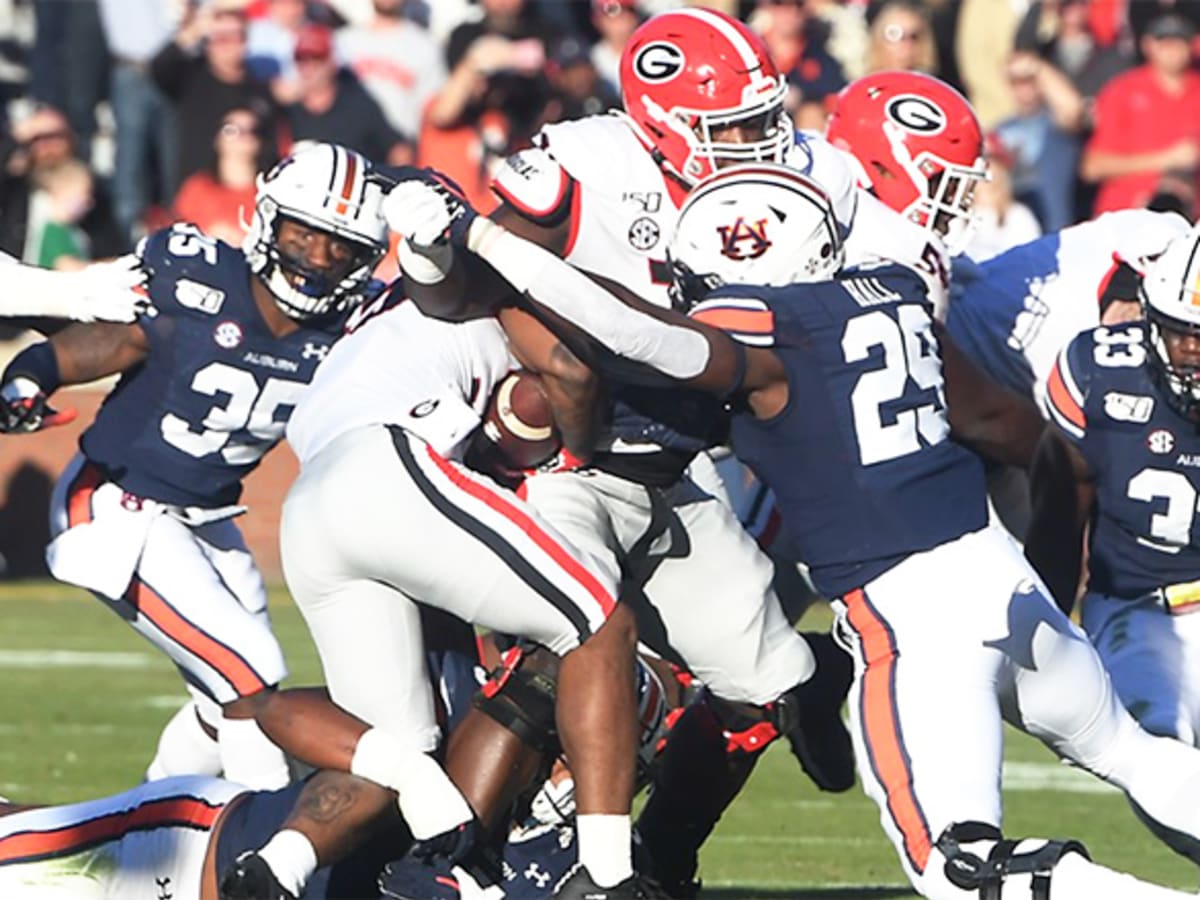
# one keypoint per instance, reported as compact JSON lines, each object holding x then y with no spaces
{"x":677,"y":351}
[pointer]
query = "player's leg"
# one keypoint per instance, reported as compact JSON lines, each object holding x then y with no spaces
{"x":159,"y":575}
{"x":188,"y":742}
{"x":915,"y":637}
{"x":1063,"y":695}
{"x":1150,"y":656}
{"x":706,"y":600}
{"x":132,"y":844}
{"x":214,"y":625}
{"x":527,"y":579}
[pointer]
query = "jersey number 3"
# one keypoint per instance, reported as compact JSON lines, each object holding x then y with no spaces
{"x":887,"y":426}
{"x":248,"y":408}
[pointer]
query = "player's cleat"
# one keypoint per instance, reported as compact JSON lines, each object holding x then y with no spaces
{"x":250,"y":878}
{"x":410,"y":878}
{"x":577,"y":884}
{"x":821,"y":742}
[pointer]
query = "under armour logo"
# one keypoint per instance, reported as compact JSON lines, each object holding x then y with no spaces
{"x":537,"y":876}
{"x":744,"y":240}
{"x":162,"y":884}
{"x":318,"y":350}
{"x":133,"y":503}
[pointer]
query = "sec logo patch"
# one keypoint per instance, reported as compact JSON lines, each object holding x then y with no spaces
{"x":643,"y":233}
{"x":1160,"y":441}
{"x":227,"y":334}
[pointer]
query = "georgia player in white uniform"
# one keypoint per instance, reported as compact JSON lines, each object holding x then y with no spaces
{"x":384,"y":516}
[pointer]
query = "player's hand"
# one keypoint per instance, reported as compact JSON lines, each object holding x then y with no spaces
{"x":106,"y":291}
{"x":24,"y":408}
{"x":427,"y":208}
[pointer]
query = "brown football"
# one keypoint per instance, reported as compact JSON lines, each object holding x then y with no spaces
{"x":519,"y":422}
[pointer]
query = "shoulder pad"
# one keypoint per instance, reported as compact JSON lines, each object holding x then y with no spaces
{"x":533,"y":183}
{"x":746,"y":319}
{"x":188,"y":269}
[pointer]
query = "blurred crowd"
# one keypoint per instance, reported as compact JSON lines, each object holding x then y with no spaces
{"x":124,"y":115}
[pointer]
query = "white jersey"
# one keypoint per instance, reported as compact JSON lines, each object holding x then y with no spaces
{"x":623,"y":209}
{"x":1012,"y":314}
{"x":430,"y":377}
{"x":148,"y":842}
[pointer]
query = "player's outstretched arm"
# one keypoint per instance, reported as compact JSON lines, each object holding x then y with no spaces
{"x":996,"y":422}
{"x":103,"y":291}
{"x":1062,"y":493}
{"x":75,"y":355}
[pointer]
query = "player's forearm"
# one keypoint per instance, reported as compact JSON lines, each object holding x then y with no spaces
{"x":88,"y":352}
{"x":680,"y":350}
{"x":1054,"y":540}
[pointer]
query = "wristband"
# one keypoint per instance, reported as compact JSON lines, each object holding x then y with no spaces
{"x":39,"y":364}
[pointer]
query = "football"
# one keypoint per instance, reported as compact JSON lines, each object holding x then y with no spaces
{"x":519,"y":422}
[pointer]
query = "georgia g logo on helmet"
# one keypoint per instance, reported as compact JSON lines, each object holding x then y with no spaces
{"x":658,"y":62}
{"x":916,"y":114}
{"x":744,"y":240}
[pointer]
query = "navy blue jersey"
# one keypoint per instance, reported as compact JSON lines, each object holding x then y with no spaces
{"x":860,"y":459}
{"x":217,"y":387}
{"x":1144,"y":458}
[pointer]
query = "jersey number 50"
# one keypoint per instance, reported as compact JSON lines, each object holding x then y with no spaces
{"x":907,"y":344}
{"x":248,"y":408}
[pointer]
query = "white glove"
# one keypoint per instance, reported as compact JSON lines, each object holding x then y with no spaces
{"x":101,"y":292}
{"x":417,"y":212}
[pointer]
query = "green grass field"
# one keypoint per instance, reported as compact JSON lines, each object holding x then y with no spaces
{"x":83,"y":699}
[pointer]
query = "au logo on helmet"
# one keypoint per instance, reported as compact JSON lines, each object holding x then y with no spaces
{"x":658,"y":62}
{"x":744,"y":240}
{"x":916,"y":114}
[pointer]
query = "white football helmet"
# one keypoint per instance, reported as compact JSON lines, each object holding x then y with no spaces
{"x":326,"y":187}
{"x":1171,"y":299}
{"x":755,"y":224}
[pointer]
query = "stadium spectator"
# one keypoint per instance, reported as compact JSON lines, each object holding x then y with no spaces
{"x":68,"y":64}
{"x":220,"y":199}
{"x":519,"y":82}
{"x":577,"y":89}
{"x":847,"y":42}
{"x":983,"y":41}
{"x":1062,"y":31}
{"x":335,"y":107}
{"x":1000,"y":220}
{"x":1043,"y":138}
{"x":397,"y":62}
{"x":44,"y":142}
{"x":614,"y":21}
{"x":147,"y":150}
{"x":271,"y":45}
{"x":204,"y":73}
{"x":796,"y":40}
{"x":900,"y":38}
{"x":1147,"y":120}
{"x":62,"y":196}
{"x":474,"y":120}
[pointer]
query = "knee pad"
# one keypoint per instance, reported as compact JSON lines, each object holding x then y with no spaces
{"x":963,"y":843}
{"x":521,"y":693}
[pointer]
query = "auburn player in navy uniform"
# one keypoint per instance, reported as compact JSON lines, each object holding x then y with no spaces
{"x":1124,"y":459}
{"x":840,"y":406}
{"x":144,"y":515}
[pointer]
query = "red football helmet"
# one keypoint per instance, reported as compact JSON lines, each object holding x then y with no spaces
{"x":919,"y":145}
{"x":687,"y":74}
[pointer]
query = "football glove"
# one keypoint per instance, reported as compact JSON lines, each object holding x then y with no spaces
{"x":105,"y":292}
{"x":24,"y":408}
{"x":427,"y":208}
